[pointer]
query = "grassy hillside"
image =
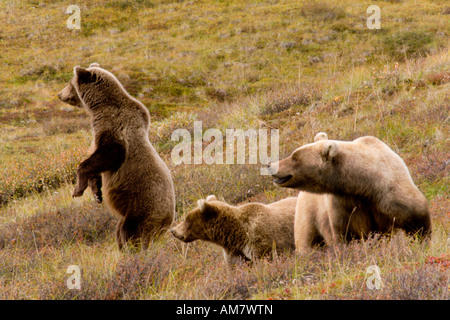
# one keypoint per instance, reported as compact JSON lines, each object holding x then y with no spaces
{"x":297,"y":66}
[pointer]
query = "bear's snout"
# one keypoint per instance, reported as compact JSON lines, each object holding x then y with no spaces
{"x":272,"y":168}
{"x":177,"y":233}
{"x":277,"y":172}
{"x":173,"y":232}
{"x":61,"y":96}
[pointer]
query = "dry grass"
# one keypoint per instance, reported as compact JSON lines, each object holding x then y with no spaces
{"x":171,"y":270}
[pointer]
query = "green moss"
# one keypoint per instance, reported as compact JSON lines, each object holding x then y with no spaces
{"x":407,"y":44}
{"x":322,"y":11}
{"x":130,"y":4}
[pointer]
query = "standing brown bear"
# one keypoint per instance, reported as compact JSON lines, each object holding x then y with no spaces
{"x":246,"y":232}
{"x":350,"y":189}
{"x":137,"y":184}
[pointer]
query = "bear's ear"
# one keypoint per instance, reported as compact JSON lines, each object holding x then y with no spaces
{"x":95,"y":64}
{"x":330,"y":150}
{"x":207,"y":209}
{"x":82,"y":74}
{"x":320,"y":136}
{"x":201,"y":204}
{"x":211,"y":198}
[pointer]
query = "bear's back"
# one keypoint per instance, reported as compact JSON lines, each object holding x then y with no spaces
{"x":270,"y":225}
{"x":386,"y":160}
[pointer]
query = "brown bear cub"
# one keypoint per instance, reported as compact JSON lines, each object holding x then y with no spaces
{"x":244,"y":232}
{"x":137,"y":184}
{"x":350,"y":189}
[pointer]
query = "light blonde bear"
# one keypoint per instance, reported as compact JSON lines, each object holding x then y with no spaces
{"x":350,"y":189}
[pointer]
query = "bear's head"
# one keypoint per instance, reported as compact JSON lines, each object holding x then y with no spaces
{"x":100,"y":93}
{"x":304,"y":168}
{"x":69,"y":94}
{"x":93,"y":88}
{"x":194,"y":227}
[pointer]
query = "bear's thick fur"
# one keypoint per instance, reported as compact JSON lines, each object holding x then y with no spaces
{"x":350,"y":189}
{"x":244,"y":232}
{"x":137,"y":184}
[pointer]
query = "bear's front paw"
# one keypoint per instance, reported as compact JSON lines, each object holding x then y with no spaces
{"x":96,"y":188}
{"x":98,"y":196}
{"x":78,"y":192}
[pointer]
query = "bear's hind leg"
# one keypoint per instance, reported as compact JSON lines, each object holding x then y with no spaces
{"x":118,"y":235}
{"x":154,"y":228}
{"x":129,"y":232}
